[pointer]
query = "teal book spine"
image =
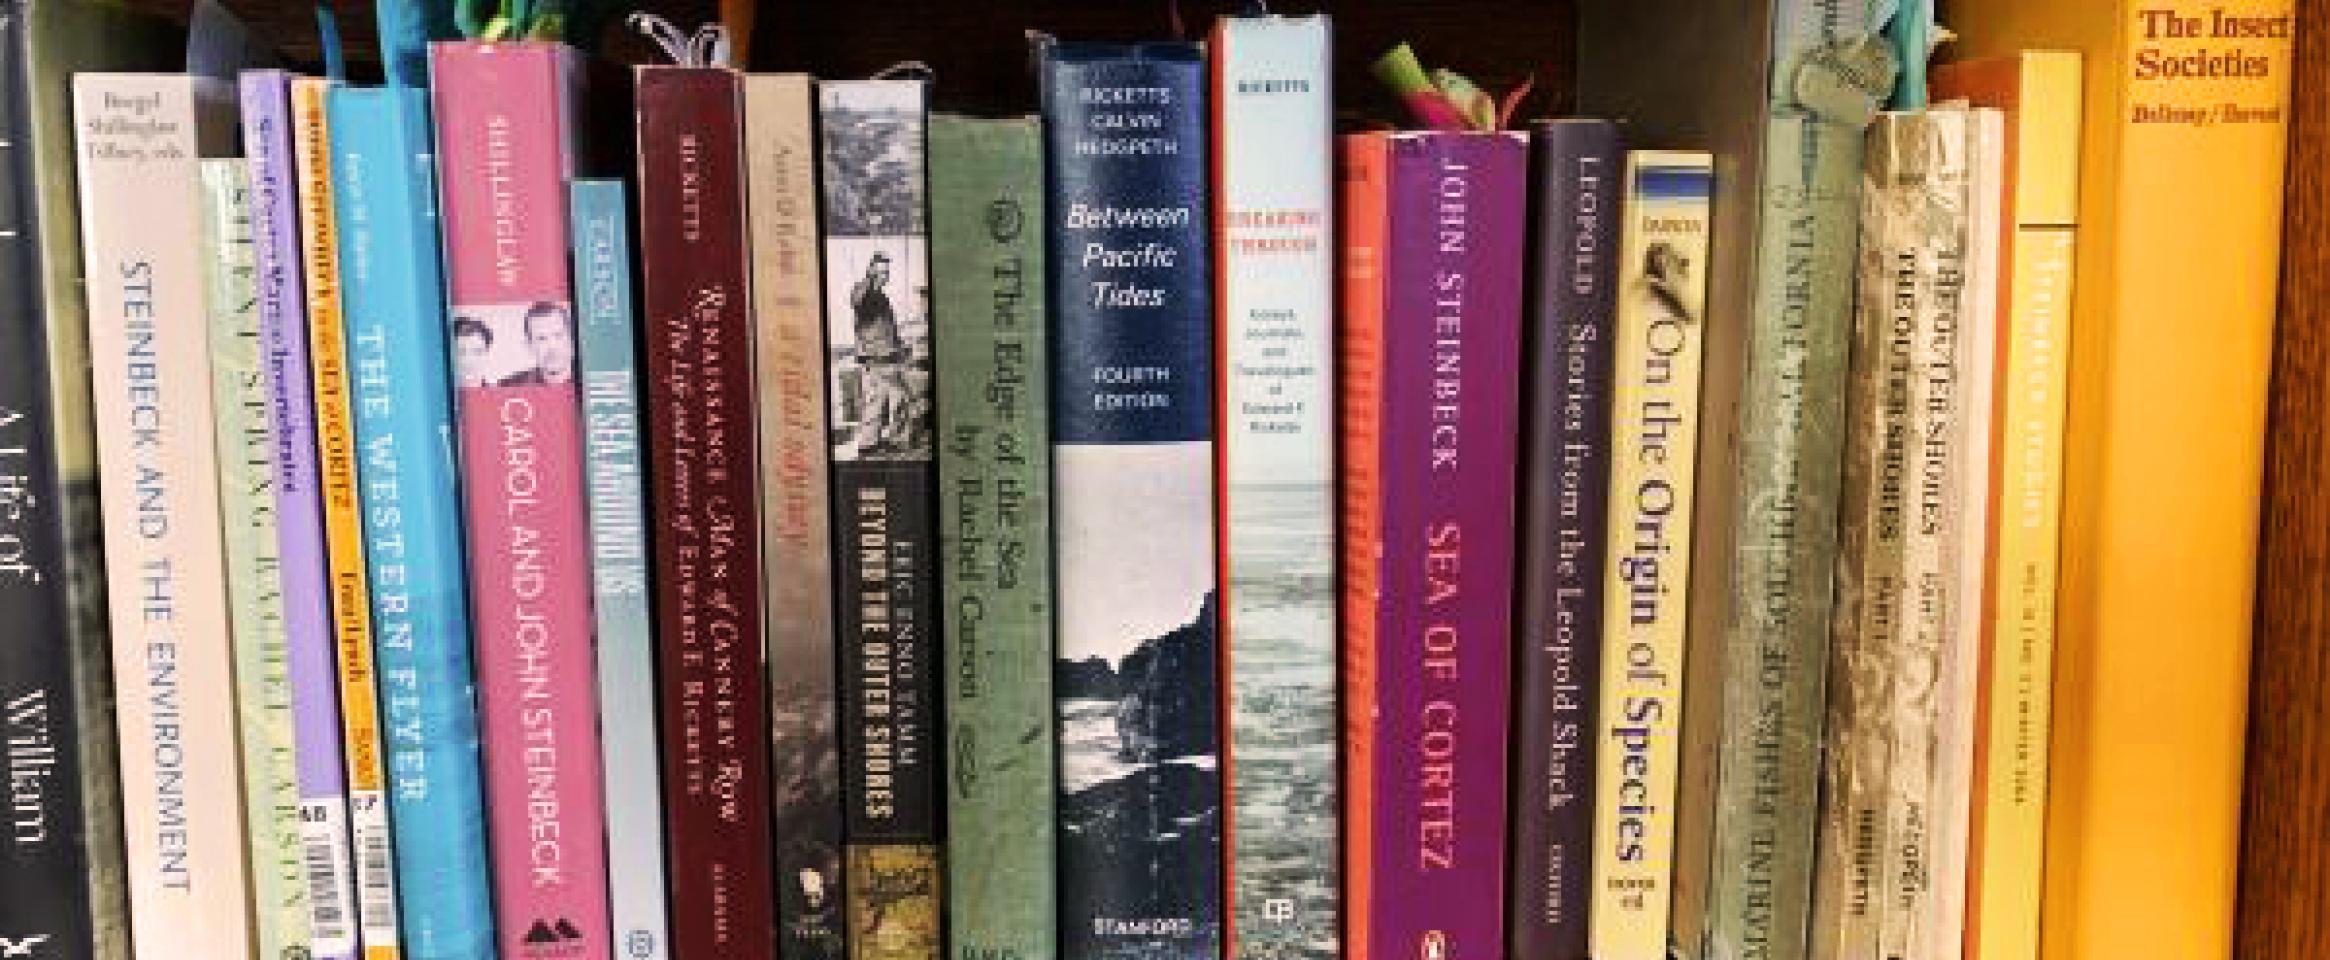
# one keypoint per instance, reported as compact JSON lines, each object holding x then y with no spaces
{"x":1830,"y":71}
{"x":384,"y":191}
{"x":254,"y":567}
{"x":609,"y":354}
{"x":994,"y":464}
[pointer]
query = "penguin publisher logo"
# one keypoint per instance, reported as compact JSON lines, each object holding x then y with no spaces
{"x":1434,"y":946}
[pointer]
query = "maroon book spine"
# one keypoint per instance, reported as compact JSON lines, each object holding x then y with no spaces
{"x":704,"y":493}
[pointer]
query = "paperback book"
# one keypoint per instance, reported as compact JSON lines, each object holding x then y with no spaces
{"x":351,"y":597}
{"x":1576,"y":173}
{"x":1660,"y":330}
{"x":878,"y":356}
{"x":620,"y":592}
{"x":789,"y":351}
{"x":384,"y":193}
{"x":1133,"y":502}
{"x":140,"y":140}
{"x":1274,"y":237}
{"x":299,"y":513}
{"x":254,"y":570}
{"x":704,"y":473}
{"x":505,"y":131}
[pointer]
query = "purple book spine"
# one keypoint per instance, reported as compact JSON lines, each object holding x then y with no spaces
{"x":1450,"y":419}
{"x":323,"y":788}
{"x":1565,"y":478}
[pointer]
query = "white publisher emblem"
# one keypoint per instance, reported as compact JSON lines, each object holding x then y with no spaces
{"x":21,"y":947}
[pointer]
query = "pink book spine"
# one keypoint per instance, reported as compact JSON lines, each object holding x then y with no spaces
{"x":503,"y":138}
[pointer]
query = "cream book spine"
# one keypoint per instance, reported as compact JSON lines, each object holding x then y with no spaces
{"x":1661,"y":328}
{"x":254,"y":567}
{"x":139,"y":141}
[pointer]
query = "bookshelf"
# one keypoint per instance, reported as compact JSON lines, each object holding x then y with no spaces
{"x":2285,"y":856}
{"x":977,"y":50}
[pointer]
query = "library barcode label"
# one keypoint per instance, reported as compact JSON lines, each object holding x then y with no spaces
{"x":330,"y":896}
{"x":375,"y":872}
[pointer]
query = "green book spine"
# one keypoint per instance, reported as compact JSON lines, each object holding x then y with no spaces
{"x":254,"y":568}
{"x":1830,"y":72}
{"x":994,"y":462}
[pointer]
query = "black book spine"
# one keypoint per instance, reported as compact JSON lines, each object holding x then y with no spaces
{"x":1565,"y":471}
{"x":44,"y":868}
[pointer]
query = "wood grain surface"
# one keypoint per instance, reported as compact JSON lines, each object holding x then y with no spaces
{"x":2285,"y":855}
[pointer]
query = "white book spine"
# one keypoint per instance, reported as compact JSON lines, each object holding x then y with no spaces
{"x":1276,"y":328}
{"x":138,"y":148}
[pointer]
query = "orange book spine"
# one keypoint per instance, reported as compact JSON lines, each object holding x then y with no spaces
{"x":1366,"y":161}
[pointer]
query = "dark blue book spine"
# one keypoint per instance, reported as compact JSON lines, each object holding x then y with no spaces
{"x":1133,"y":469}
{"x":1565,"y":473}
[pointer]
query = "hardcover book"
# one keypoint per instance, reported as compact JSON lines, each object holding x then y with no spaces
{"x":994,"y":464}
{"x":2184,"y":135}
{"x":1431,"y":348}
{"x":1779,"y":90}
{"x":878,"y":347}
{"x":254,"y":570}
{"x":619,"y":567}
{"x":797,"y":560}
{"x":2040,"y":92}
{"x":1273,"y":164}
{"x":505,"y":135}
{"x":140,"y":137}
{"x":705,"y":475}
{"x":1659,"y":335}
{"x":384,"y":193}
{"x":61,"y":869}
{"x":1133,"y":502}
{"x":1575,"y":174}
{"x":299,"y":513}
{"x":351,"y":598}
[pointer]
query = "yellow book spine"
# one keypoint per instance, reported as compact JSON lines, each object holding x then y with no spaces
{"x":2018,"y":665}
{"x":2186,"y":135}
{"x":1661,"y":326}
{"x":343,"y":524}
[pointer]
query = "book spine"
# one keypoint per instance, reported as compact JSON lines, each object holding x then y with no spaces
{"x":1364,"y":172}
{"x":878,"y":338}
{"x":1849,"y":900}
{"x":1273,"y":127}
{"x":2027,"y":492}
{"x":789,"y":351}
{"x":1133,"y":503}
{"x":385,"y":203}
{"x":988,"y":277}
{"x":45,"y":869}
{"x":619,"y":566}
{"x":1958,"y":683}
{"x":1660,"y":330}
{"x":254,"y":570}
{"x":1920,"y":163}
{"x":705,"y":471}
{"x":142,"y":239}
{"x":504,"y":134}
{"x":1441,"y":593}
{"x":343,"y":524}
{"x":1564,"y":508}
{"x":1765,"y":700}
{"x":299,"y":517}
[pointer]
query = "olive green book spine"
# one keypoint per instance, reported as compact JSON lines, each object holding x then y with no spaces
{"x":994,"y":461}
{"x":254,"y":566}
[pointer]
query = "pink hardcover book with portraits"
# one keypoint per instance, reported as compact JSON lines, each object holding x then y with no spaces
{"x":504,"y":140}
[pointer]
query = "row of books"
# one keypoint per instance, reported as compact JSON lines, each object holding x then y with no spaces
{"x":854,"y":529}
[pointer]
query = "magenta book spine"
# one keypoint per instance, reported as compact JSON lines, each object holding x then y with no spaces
{"x":504,"y":137}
